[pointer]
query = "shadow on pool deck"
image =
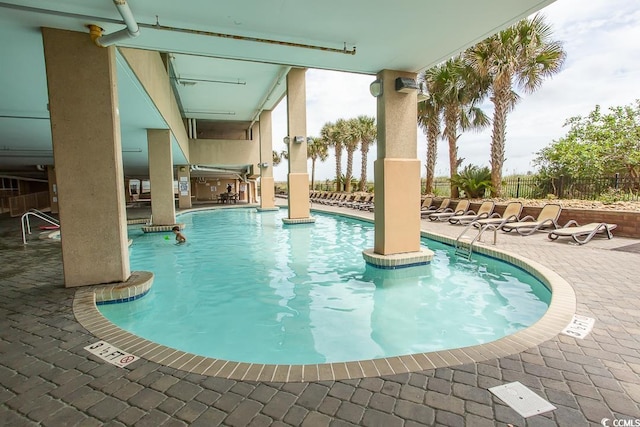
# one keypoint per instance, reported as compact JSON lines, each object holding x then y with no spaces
{"x":48,"y":378}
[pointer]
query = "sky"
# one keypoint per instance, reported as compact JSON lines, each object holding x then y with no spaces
{"x":602,"y":42}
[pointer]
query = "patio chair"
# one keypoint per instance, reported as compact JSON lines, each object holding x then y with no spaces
{"x":582,"y":234}
{"x":364,"y":200}
{"x":361,"y":200}
{"x":485,"y":209}
{"x":427,"y":204}
{"x":330,"y":198}
{"x":511,"y":214}
{"x":368,"y":204}
{"x":338,"y":200}
{"x":443,"y":205}
{"x":348,"y":200}
{"x":548,"y":217}
{"x":461,"y":209}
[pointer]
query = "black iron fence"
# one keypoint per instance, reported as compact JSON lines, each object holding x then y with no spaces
{"x":610,"y":189}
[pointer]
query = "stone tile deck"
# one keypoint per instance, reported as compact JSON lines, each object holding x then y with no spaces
{"x":47,"y":378}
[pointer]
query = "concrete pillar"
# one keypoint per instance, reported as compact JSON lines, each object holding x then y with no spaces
{"x":163,"y":207}
{"x":85,"y":129}
{"x":267,"y":189}
{"x":397,"y":171}
{"x":184,"y":187}
{"x":298,"y":178}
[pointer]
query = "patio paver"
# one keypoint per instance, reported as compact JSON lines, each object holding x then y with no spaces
{"x":47,"y":378}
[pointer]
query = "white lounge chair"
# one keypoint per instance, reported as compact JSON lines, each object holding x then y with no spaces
{"x":443,"y":205}
{"x":511,"y":214}
{"x":461,"y":209}
{"x":548,"y":217}
{"x":485,"y":209}
{"x":582,"y":234}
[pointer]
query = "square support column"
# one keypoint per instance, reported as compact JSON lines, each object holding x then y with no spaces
{"x":298,"y":177}
{"x":184,"y":187}
{"x":163,"y":207}
{"x":267,"y":188}
{"x":85,"y":129}
{"x":397,"y":178}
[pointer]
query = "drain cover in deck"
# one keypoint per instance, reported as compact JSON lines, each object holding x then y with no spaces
{"x":521,"y":399}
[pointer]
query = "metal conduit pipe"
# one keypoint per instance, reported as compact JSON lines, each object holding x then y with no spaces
{"x":132,"y":30}
{"x":158,"y":26}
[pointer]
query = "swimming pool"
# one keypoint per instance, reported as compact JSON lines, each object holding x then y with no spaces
{"x":247,"y":288}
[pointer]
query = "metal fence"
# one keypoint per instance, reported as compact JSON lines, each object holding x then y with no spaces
{"x":535,"y":187}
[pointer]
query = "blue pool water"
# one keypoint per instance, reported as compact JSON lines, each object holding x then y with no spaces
{"x":247,"y":288}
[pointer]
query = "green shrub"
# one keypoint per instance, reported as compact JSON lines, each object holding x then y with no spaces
{"x":473,"y":180}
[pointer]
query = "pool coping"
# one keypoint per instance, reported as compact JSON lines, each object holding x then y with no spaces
{"x":559,"y":314}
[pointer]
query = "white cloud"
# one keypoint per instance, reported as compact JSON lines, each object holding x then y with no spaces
{"x":601,"y":39}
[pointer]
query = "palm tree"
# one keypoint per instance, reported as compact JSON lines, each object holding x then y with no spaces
{"x":316,"y":149}
{"x":329,"y":135}
{"x":429,"y":117}
{"x":366,"y":131}
{"x":524,"y":55}
{"x":458,"y":90}
{"x":350,"y":140}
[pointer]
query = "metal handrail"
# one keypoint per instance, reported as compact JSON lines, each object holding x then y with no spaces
{"x":26,"y":224}
{"x":483,"y":229}
{"x":49,"y":217}
{"x":476,"y":238}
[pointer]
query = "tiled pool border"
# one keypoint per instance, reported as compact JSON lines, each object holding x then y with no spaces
{"x":561,"y":310}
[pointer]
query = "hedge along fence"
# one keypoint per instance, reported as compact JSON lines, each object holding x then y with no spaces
{"x":534,"y":187}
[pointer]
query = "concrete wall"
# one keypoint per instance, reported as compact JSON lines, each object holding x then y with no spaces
{"x":224,"y":151}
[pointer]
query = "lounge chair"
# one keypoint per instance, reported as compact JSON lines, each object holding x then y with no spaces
{"x":485,"y":209}
{"x":548,"y":217}
{"x":353,"y":198}
{"x":330,"y":198}
{"x":461,"y":209}
{"x":582,"y":234}
{"x":443,"y":205}
{"x":365,"y":203}
{"x":427,"y":204}
{"x":361,"y":200}
{"x":511,"y":214}
{"x":339,"y":200}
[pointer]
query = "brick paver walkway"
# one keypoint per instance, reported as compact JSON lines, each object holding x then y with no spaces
{"x":47,"y":378}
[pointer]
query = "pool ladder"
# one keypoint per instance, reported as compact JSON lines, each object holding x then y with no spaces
{"x":465,"y":241}
{"x":26,"y":225}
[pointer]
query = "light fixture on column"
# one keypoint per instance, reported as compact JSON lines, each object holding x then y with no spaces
{"x":375,"y":88}
{"x":298,"y":139}
{"x":263,"y":165}
{"x":286,"y":140}
{"x":406,"y":85}
{"x":423,"y":95}
{"x":183,"y":169}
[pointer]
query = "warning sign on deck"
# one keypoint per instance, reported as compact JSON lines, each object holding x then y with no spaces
{"x":579,"y":327}
{"x":111,"y":354}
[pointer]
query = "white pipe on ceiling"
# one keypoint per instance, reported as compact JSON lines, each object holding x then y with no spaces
{"x":132,"y":30}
